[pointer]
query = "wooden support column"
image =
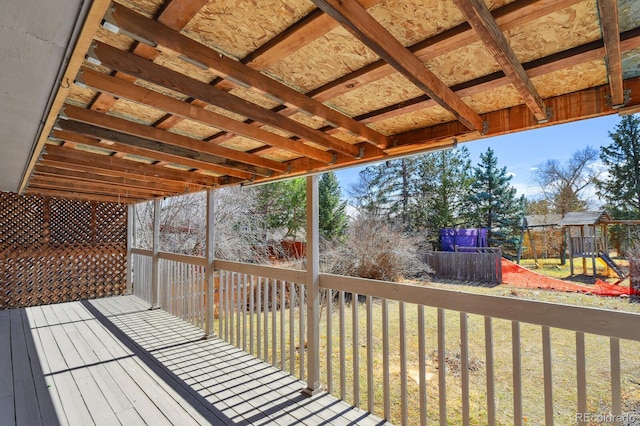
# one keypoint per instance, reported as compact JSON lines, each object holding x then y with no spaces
{"x":594,"y":253}
{"x":584,"y":253}
{"x":130,"y":233}
{"x":155,"y":267}
{"x":209,"y":271}
{"x":313,"y":289}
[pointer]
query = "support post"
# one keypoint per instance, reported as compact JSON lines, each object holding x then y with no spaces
{"x":130,"y":233}
{"x":209,"y":271}
{"x":313,"y":289}
{"x":155,"y":266}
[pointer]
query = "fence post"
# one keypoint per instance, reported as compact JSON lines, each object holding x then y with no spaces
{"x":155,"y":265}
{"x":130,"y":232}
{"x":209,"y":270}
{"x":313,"y":289}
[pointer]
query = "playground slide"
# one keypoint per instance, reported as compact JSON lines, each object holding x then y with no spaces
{"x":519,"y":276}
{"x":610,"y":263}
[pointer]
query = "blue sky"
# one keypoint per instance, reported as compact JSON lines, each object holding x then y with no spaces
{"x":522,"y":151}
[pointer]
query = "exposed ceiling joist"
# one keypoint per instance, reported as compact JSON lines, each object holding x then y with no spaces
{"x":517,"y":13}
{"x":611,"y":35}
{"x":66,"y":184}
{"x":168,"y":40}
{"x":364,"y":27}
{"x":85,"y":196}
{"x":146,"y":70}
{"x":123,"y":89}
{"x":479,"y":17}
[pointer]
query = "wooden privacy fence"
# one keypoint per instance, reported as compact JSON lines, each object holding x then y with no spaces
{"x":56,"y":250}
{"x":484,"y":265}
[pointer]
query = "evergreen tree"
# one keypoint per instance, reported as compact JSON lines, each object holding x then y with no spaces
{"x":622,"y":157}
{"x":442,"y":185}
{"x":494,"y":204}
{"x":332,"y":210}
{"x":282,"y":205}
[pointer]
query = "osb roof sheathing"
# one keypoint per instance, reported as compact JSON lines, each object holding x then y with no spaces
{"x":259,"y":90}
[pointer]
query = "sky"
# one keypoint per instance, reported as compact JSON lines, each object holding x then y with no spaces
{"x":521,"y":152}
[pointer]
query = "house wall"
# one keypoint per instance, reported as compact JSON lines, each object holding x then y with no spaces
{"x":56,"y":250}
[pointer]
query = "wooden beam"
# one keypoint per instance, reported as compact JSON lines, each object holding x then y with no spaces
{"x":364,"y":27}
{"x":105,"y":164}
{"x":191,"y":148}
{"x":76,"y":195}
{"x":181,"y":46}
{"x":574,"y":106}
{"x":123,"y":89}
{"x":85,"y":134}
{"x":512,"y":15}
{"x":561,"y":60}
{"x":175,"y":14}
{"x":611,"y":35}
{"x":146,"y":70}
{"x":480,"y":19}
{"x":65,"y":184}
{"x":86,"y":176}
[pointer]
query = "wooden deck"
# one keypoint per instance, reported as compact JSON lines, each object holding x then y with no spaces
{"x":113,"y":361}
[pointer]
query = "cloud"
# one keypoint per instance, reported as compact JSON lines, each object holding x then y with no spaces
{"x":511,"y":174}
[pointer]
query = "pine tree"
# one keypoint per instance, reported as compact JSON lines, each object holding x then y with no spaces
{"x":442,"y":186}
{"x":332,"y":209}
{"x":494,"y":204}
{"x":282,"y":205}
{"x":622,"y":157}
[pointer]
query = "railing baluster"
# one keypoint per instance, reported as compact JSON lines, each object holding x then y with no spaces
{"x":370,"y":393}
{"x":616,"y":398}
{"x":403,"y":364}
{"x":464,"y":366}
{"x":329,"y":340}
{"x":292,"y":328}
{"x":343,"y":393}
{"x":251,"y":313}
{"x":581,"y":375}
{"x":274,"y":323}
{"x":548,"y":378}
{"x":266,"y":318}
{"x":422,"y":367}
{"x":259,"y":316}
{"x":244,"y":312}
{"x":385,"y":359}
{"x":302,"y":330}
{"x":517,"y":373}
{"x":442,"y":368}
{"x":355,"y":349}
{"x":283,"y":361}
{"x":238,"y":307}
{"x":491,"y":399}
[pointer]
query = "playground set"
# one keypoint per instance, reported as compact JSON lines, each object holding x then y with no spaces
{"x":586,"y":237}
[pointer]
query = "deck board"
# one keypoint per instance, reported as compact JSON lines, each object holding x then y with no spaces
{"x":114,"y":361}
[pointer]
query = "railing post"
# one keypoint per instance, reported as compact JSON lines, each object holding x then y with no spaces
{"x":209,"y":270}
{"x":155,"y":265}
{"x":130,"y":232}
{"x":313,"y":289}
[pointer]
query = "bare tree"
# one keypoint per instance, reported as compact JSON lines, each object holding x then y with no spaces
{"x":563,"y":184}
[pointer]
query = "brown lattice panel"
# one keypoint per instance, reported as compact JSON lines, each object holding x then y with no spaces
{"x":56,"y":250}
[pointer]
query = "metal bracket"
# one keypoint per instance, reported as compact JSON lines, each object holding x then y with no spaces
{"x":549,"y":115}
{"x":359,"y":157}
{"x":91,"y":56}
{"x":625,"y":101}
{"x":334,"y":158}
{"x":485,"y":127}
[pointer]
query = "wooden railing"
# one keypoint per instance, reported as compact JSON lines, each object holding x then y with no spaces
{"x":411,"y":353}
{"x":141,"y":273}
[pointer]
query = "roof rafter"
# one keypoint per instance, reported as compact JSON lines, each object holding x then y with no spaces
{"x":611,"y":35}
{"x":479,"y":17}
{"x":507,"y":17}
{"x":146,"y":70}
{"x":109,"y":165}
{"x":123,"y":89}
{"x":181,"y":46}
{"x":64,"y":183}
{"x":364,"y":27}
{"x":217,"y":155}
{"x":85,"y":196}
